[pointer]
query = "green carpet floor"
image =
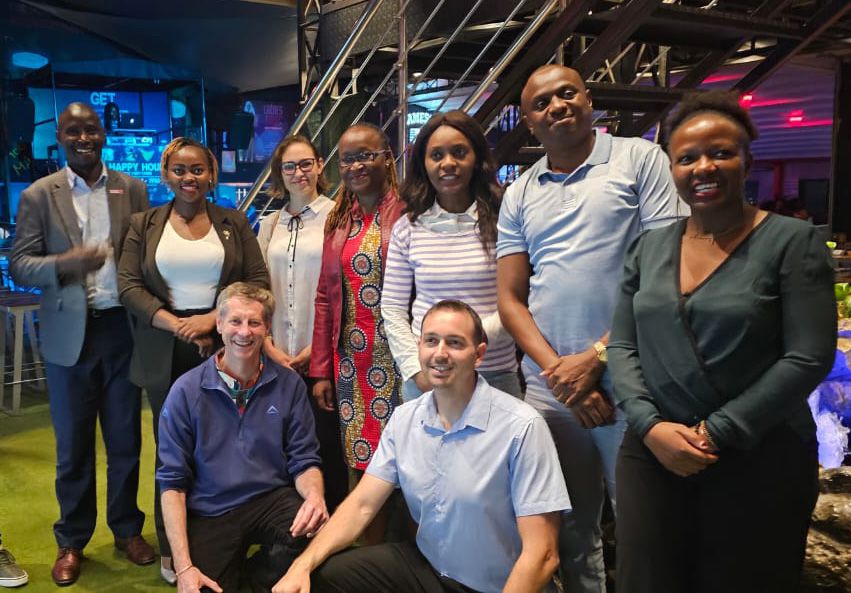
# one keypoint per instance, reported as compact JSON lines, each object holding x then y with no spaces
{"x":28,"y":505}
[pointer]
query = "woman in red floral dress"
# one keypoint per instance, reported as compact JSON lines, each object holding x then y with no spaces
{"x":350,"y":348}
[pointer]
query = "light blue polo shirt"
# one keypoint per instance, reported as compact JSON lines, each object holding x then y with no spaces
{"x":465,"y":487}
{"x":576,"y":229}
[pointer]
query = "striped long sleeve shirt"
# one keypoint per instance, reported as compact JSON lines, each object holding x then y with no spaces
{"x":440,"y":257}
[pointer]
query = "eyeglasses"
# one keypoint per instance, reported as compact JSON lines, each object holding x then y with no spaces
{"x":363,"y":157}
{"x":305,"y":165}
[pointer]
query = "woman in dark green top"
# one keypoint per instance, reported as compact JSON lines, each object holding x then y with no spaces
{"x":725,"y":324}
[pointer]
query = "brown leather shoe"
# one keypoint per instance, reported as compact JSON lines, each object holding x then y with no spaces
{"x":66,"y":569}
{"x":137,"y":549}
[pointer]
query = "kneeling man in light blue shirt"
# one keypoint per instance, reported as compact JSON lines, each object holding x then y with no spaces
{"x":479,"y":472}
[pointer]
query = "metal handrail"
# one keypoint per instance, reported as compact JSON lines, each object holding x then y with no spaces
{"x":476,"y":60}
{"x":510,"y":54}
{"x":503,"y":62}
{"x":322,"y":87}
{"x":369,"y":11}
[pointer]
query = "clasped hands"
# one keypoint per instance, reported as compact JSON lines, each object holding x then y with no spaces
{"x":680,"y":449}
{"x":574,"y":380}
{"x":198,"y":330}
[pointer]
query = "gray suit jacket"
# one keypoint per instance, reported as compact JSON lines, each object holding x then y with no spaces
{"x":144,"y":291}
{"x":47,"y":226}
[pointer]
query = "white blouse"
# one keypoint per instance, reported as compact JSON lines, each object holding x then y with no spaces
{"x":191,"y":268}
{"x":292,"y":247}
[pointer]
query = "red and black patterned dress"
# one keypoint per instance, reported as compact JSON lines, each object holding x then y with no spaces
{"x":368,"y":382}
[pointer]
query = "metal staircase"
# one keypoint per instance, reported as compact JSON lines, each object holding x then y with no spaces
{"x":638,"y":56}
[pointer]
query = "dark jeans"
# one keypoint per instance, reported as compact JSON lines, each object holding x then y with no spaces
{"x":184,"y":358}
{"x":218,"y":544}
{"x":739,"y":526}
{"x":386,"y":568}
{"x":96,"y":387}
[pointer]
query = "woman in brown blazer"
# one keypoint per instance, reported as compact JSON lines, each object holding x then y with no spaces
{"x":176,"y":259}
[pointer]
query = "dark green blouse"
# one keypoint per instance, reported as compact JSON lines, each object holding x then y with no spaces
{"x":742,"y":351}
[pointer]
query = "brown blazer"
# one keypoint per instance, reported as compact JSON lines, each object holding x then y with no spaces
{"x":143,"y":291}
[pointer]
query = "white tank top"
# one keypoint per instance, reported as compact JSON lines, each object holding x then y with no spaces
{"x":191,"y":269}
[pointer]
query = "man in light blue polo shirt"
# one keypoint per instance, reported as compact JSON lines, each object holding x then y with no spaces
{"x":479,"y":471}
{"x":563,"y":228}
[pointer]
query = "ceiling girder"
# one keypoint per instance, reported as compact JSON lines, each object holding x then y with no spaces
{"x":826,"y":16}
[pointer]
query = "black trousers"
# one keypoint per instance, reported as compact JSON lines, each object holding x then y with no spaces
{"x":218,"y":544}
{"x":97,"y":388}
{"x":740,"y":526}
{"x":386,"y":568}
{"x":184,"y":358}
{"x":334,"y":469}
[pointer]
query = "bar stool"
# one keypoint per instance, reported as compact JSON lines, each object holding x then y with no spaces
{"x":20,"y":306}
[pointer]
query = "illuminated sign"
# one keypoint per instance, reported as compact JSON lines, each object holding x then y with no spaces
{"x":101,"y":98}
{"x":418,"y":118}
{"x":415,"y":120}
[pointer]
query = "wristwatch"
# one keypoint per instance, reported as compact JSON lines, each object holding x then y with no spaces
{"x":602,"y":352}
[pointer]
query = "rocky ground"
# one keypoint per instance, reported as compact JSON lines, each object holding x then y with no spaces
{"x":827,"y":566}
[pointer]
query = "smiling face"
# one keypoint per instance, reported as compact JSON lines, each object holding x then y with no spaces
{"x":449,"y":163}
{"x":301,"y":183}
{"x":448,"y":352}
{"x":188,"y":174}
{"x":240,"y":322}
{"x":82,"y":137}
{"x":557,"y":107}
{"x":710,"y":161}
{"x":365,"y":179}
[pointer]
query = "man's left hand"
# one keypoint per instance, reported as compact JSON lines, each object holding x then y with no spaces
{"x":594,"y":410}
{"x":574,"y":376}
{"x":310,"y":517}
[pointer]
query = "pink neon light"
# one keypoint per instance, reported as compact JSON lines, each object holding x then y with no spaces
{"x":772,"y":102}
{"x":796,"y":116}
{"x":721,"y":78}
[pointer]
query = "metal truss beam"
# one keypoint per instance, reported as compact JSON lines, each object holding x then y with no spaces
{"x":709,"y":64}
{"x":539,"y":53}
{"x":824,"y":18}
{"x":618,"y":31}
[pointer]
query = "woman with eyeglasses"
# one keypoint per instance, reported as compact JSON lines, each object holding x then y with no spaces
{"x":291,"y":241}
{"x":350,"y":349}
{"x":176,"y":259}
{"x":444,"y":247}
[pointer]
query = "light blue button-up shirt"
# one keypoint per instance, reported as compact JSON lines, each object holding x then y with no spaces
{"x":466,"y":486}
{"x":92,"y":209}
{"x":576,"y":229}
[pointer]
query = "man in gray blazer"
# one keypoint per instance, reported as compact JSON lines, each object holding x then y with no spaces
{"x":70,"y":230}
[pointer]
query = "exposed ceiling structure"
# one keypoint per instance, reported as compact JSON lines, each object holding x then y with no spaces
{"x":640,"y":56}
{"x":243,"y":45}
{"x":782,"y":50}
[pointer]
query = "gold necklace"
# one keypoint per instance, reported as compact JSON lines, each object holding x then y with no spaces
{"x":713,"y":237}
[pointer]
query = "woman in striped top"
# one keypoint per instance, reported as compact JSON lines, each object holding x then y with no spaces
{"x":444,"y":247}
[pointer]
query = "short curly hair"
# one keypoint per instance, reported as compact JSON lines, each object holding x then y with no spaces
{"x":724,"y":103}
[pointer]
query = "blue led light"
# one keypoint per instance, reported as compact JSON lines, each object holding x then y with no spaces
{"x":27,"y":59}
{"x":178,"y":109}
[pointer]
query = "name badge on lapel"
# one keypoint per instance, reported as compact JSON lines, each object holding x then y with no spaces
{"x":116,"y":191}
